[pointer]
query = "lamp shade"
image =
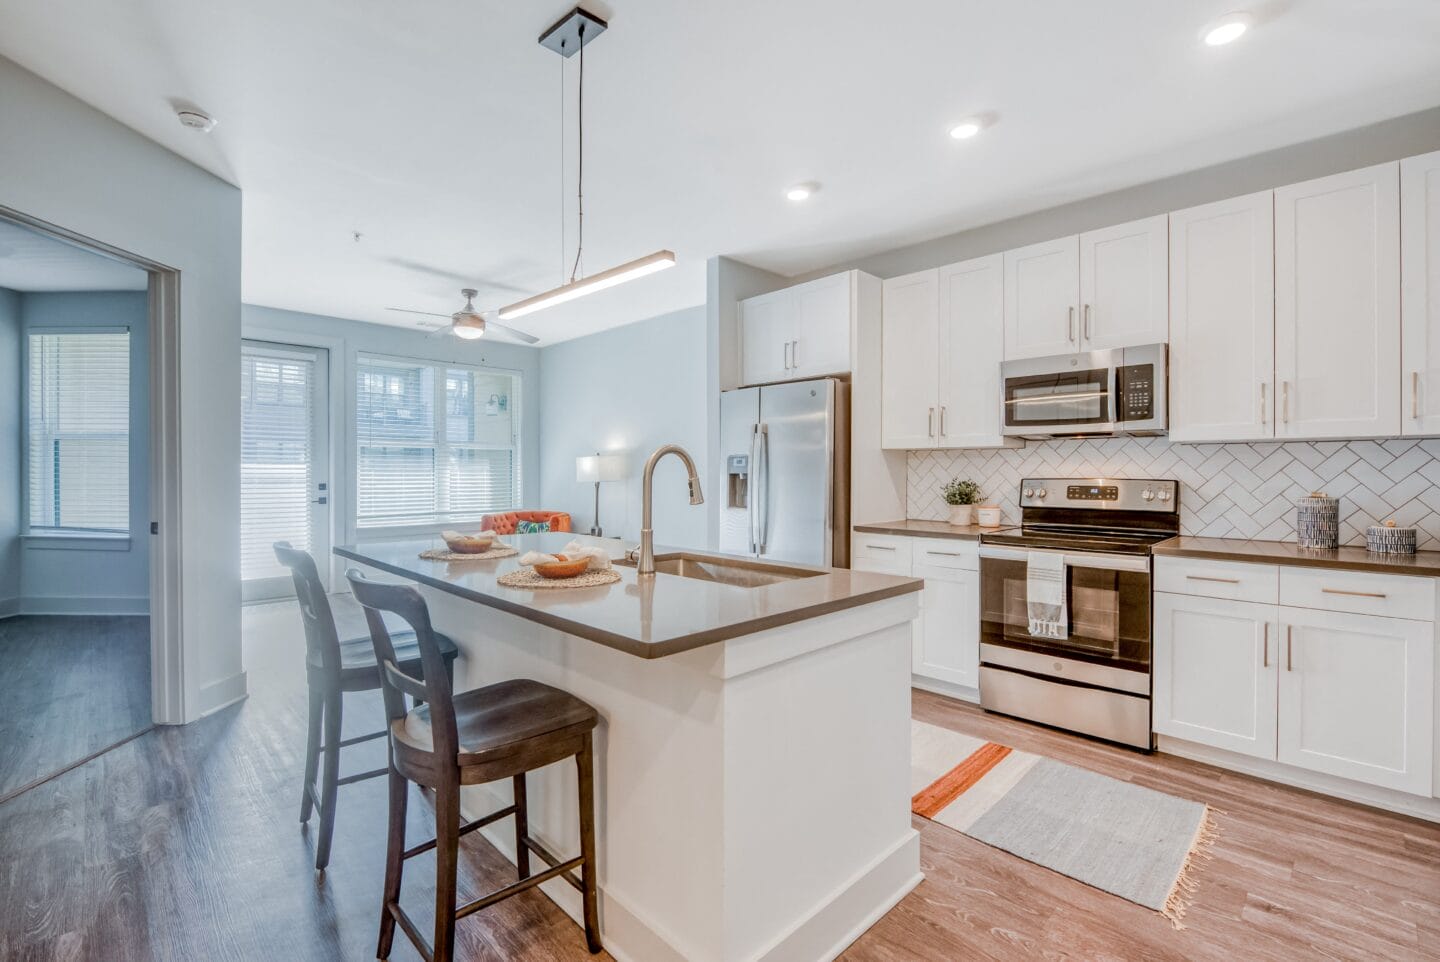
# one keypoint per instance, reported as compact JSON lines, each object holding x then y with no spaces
{"x":592,"y":468}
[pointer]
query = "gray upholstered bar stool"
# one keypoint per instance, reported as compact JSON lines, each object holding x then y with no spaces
{"x":491,"y":733}
{"x":334,"y":666}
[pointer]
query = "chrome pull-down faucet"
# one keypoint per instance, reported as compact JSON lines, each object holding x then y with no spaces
{"x":645,"y":561}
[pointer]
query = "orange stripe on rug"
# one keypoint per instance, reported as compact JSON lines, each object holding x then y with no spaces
{"x":933,"y":798}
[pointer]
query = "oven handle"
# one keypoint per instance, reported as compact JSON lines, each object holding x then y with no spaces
{"x":1105,"y":562}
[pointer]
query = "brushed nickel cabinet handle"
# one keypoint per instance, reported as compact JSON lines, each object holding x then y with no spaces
{"x":785,"y":353}
{"x":1265,"y":647}
{"x":931,"y":427}
{"x":1070,"y":325}
{"x":1415,"y":395}
{"x":1289,"y":651}
{"x":794,"y":354}
{"x":1285,"y":402}
{"x":881,"y":547}
{"x":1087,"y":322}
{"x":942,"y":420}
{"x":1223,"y":581}
{"x":1262,"y":402}
{"x":1353,"y":594}
{"x":943,"y":554}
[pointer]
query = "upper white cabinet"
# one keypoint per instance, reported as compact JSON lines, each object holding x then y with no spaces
{"x":942,"y":344}
{"x":799,"y":332}
{"x":1123,"y":273}
{"x":1337,"y":305}
{"x":1222,"y":321}
{"x":1420,"y":293}
{"x":1042,"y":287}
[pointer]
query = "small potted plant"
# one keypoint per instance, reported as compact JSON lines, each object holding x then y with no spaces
{"x":961,"y":497}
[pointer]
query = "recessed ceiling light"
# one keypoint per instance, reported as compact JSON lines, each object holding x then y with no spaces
{"x":1227,"y":29}
{"x":801,"y":191}
{"x":966,"y":129}
{"x":196,"y":119}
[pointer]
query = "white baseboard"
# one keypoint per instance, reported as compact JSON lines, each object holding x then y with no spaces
{"x":222,"y":694}
{"x":1388,"y":799}
{"x":958,"y":692}
{"x":9,"y":607}
{"x":82,"y":605}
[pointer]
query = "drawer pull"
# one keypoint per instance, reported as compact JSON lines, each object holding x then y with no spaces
{"x":1353,"y":594}
{"x":1223,"y":581}
{"x":945,"y":554}
{"x":881,"y":547}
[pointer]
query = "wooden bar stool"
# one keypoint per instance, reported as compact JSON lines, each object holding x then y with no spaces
{"x":499,"y":731}
{"x":333,"y":667}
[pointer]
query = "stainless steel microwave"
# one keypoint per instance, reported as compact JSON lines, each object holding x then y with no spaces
{"x":1086,"y":394}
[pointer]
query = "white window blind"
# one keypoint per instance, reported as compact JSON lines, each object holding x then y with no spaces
{"x":276,"y":454}
{"x":434,"y":443}
{"x":78,"y":432}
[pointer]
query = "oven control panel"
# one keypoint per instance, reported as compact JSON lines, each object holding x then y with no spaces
{"x":1112,"y":494}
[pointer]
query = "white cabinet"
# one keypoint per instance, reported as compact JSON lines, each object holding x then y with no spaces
{"x":1222,"y":321}
{"x":972,"y":345}
{"x":1420,"y":293}
{"x":947,"y":644}
{"x":1357,"y":697}
{"x":1042,"y":285}
{"x":1337,"y":305}
{"x":1123,"y":284}
{"x":800,"y":332}
{"x":1215,"y":665}
{"x":910,"y":372}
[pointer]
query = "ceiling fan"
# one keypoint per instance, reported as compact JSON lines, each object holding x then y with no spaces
{"x":468,"y":323}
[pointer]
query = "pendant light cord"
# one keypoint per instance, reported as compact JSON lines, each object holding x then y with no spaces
{"x":580,"y":154}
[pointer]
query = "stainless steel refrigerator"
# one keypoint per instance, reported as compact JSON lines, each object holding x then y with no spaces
{"x":785,"y":472}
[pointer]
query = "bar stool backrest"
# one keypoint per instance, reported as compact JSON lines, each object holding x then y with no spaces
{"x":321,"y":639}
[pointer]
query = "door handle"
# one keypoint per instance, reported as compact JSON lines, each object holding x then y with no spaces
{"x":931,"y":423}
{"x":794,"y":354}
{"x":1289,"y":653}
{"x":1415,"y":395}
{"x":764,"y":491}
{"x":1284,"y":402}
{"x":785,"y":353}
{"x":1262,"y":402}
{"x":1070,"y":325}
{"x":1087,"y":322}
{"x":942,"y":420}
{"x":1265,"y":647}
{"x":752,"y":502}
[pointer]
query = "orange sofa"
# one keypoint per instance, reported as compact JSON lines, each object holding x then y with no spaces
{"x":505,"y":523}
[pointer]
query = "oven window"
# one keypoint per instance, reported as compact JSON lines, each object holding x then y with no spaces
{"x":1070,"y":398}
{"x":1108,"y":611}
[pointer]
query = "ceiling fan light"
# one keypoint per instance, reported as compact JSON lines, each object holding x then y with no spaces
{"x":649,"y":264}
{"x":468,"y":325}
{"x":469,"y":333}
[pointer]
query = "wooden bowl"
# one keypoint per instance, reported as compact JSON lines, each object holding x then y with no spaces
{"x":563,"y":567}
{"x":469,"y":543}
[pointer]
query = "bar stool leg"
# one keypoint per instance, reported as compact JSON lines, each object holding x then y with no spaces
{"x":585,"y":759}
{"x":330,"y":774}
{"x":447,"y":853}
{"x":394,"y":860}
{"x":312,"y":753}
{"x":522,"y":827}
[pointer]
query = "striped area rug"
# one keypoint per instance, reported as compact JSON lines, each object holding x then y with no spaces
{"x":1130,"y":841}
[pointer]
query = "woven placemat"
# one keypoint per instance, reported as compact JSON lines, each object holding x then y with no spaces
{"x":529,"y":578}
{"x":445,"y":554}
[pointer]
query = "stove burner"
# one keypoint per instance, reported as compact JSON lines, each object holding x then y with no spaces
{"x":1111,"y":515}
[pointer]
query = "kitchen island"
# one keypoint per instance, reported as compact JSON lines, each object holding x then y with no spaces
{"x":752,"y":760}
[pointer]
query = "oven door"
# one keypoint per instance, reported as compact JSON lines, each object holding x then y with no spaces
{"x":1108,"y":610}
{"x":1070,"y":394}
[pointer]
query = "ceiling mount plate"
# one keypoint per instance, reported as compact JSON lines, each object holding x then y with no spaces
{"x":572,"y":31}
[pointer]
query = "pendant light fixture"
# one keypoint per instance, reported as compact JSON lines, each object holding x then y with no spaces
{"x":568,"y":36}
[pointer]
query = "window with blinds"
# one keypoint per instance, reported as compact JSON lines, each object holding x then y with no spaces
{"x":78,"y":432}
{"x":434,"y":443}
{"x":276,"y":457}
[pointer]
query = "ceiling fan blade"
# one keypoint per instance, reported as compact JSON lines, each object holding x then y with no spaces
{"x":406,"y":310}
{"x":511,"y":332}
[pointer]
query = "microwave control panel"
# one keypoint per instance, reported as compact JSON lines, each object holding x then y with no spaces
{"x":1137,"y":392}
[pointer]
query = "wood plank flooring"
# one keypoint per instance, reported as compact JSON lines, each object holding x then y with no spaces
{"x":69,"y":686}
{"x":185,"y":845}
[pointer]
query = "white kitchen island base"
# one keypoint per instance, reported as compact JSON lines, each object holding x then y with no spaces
{"x":752,"y":793}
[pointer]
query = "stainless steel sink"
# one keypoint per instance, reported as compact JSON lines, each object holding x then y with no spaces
{"x":726,"y":571}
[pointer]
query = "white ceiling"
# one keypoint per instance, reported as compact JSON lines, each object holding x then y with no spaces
{"x":34,"y":262}
{"x":432,"y":126}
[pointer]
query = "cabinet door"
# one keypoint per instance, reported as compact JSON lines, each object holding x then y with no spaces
{"x":1337,"y":305}
{"x":909,"y":367}
{"x":1357,"y":697}
{"x":767,"y":325}
{"x":1042,"y":288}
{"x":972,"y":345}
{"x":820,"y":344}
{"x":1215,"y":667}
{"x":947,"y":642}
{"x":1222,"y":320}
{"x":1420,"y":292}
{"x":1124,"y":272}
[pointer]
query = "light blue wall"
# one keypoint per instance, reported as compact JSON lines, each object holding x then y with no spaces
{"x":63,"y":577}
{"x":628,"y":389}
{"x":9,"y":451}
{"x":345,"y":339}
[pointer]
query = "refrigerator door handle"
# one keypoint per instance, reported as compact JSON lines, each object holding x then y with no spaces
{"x":762,"y":487}
{"x":751,"y":502}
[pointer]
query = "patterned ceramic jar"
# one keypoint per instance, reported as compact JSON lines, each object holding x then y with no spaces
{"x":1317,"y":521}
{"x":1389,"y":538}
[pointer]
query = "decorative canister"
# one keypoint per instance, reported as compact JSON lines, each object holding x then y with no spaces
{"x":988,"y":516}
{"x":1389,"y":538}
{"x":1317,"y":521}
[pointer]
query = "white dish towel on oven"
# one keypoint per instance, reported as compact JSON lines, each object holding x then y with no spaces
{"x":1045,"y":595}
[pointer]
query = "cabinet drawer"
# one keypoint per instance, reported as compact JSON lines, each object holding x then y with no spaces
{"x":937,"y":553}
{"x":1361,"y":592}
{"x":1218,"y":579}
{"x":880,"y":552}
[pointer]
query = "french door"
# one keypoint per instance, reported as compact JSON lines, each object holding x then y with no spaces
{"x":284,"y":463}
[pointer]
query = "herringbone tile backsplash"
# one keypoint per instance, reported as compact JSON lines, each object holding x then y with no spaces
{"x":1226,"y":490}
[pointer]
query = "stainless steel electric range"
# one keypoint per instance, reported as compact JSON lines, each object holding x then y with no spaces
{"x":1096,"y":678}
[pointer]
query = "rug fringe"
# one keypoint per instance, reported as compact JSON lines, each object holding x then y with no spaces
{"x":1183,"y":891}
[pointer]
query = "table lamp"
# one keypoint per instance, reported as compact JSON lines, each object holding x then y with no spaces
{"x":594,"y":468}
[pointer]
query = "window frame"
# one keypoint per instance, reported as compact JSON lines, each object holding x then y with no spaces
{"x":438,"y":442}
{"x":100,"y":539}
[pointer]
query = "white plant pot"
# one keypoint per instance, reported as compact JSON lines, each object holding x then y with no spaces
{"x":961,"y":513}
{"x":988,"y":516}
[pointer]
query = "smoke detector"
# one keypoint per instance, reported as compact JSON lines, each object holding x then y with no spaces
{"x":196,"y":119}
